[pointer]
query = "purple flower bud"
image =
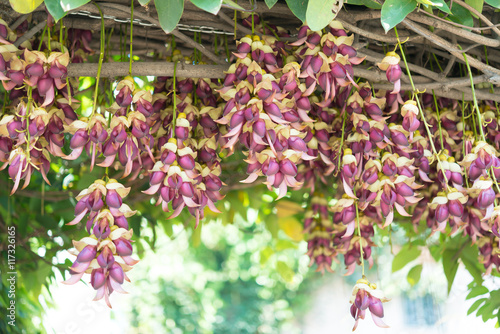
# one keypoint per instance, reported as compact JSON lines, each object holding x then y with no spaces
{"x":304,"y":103}
{"x":79,"y":139}
{"x":113,"y":200}
{"x":270,"y":168}
{"x":269,"y":59}
{"x":229,"y":79}
{"x":58,"y":72}
{"x":187,"y":189}
{"x":373,"y":109}
{"x":106,"y":258}
{"x":314,"y":38}
{"x":272,"y":109}
{"x":474,"y":171}
{"x":244,"y":47}
{"x":122,"y":222}
{"x":116,"y":273}
{"x":186,"y":162}
{"x":348,"y":215}
{"x":376,"y":307}
{"x":259,"y":127}
{"x":399,"y":138}
{"x":16,"y":76}
{"x":34,"y":70}
{"x":124,"y":97}
{"x":441,"y":213}
{"x":486,"y":198}
{"x":87,"y":254}
{"x":347,"y":50}
{"x":14,"y":128}
{"x":338,"y":70}
{"x":456,"y":208}
{"x":181,"y":132}
{"x":404,"y":190}
{"x":316,"y":63}
{"x":97,"y":278}
{"x":393,"y":73}
{"x":297,"y":144}
{"x":288,"y":168}
{"x":123,"y":247}
{"x":278,"y":179}
{"x":361,"y":301}
{"x":376,"y":135}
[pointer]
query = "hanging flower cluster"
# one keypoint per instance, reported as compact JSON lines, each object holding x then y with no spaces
{"x":106,"y":253}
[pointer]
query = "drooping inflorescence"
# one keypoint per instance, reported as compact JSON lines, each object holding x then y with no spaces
{"x":365,"y":158}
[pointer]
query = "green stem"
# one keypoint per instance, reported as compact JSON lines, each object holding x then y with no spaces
{"x":491,"y":172}
{"x":131,"y":35}
{"x":429,"y":134}
{"x":439,"y":120}
{"x":41,"y":38}
{"x":174,"y":112}
{"x":61,"y":34}
{"x":101,"y":58}
{"x":228,"y":54}
{"x":360,"y":240}
{"x":48,"y":39}
{"x":28,"y":136}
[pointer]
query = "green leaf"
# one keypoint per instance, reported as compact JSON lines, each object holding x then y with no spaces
{"x":298,"y":8}
{"x":477,"y":291}
{"x":439,"y":4}
{"x":414,"y":274}
{"x":469,"y":259}
{"x":493,"y":3}
{"x":405,"y":256}
{"x":461,"y":15}
{"x":271,"y":3}
{"x":233,"y":4}
{"x":394,"y":11}
{"x":25,"y":6}
{"x":211,"y":6}
{"x":55,"y":9}
{"x":144,"y":2}
{"x":368,"y":3}
{"x":476,"y":4}
{"x":450,"y":266}
{"x":476,"y":304}
{"x":169,"y":13}
{"x":68,"y":5}
{"x":319,"y":13}
{"x":285,"y":271}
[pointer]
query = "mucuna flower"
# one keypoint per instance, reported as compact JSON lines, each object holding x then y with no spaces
{"x":365,"y":295}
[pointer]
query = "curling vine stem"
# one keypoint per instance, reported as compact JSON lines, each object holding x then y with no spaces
{"x":491,"y":172}
{"x":131,"y":36}
{"x":101,"y":58}
{"x":360,"y":240}
{"x":429,"y":134}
